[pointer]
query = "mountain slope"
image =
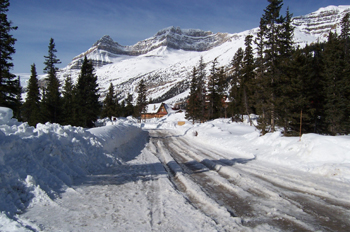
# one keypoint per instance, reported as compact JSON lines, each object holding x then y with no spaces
{"x":165,"y":60}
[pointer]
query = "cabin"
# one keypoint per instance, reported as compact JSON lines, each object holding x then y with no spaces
{"x":157,"y":110}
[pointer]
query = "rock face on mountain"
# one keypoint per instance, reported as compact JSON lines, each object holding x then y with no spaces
{"x":321,"y":22}
{"x":188,"y":40}
{"x":172,"y":37}
{"x":165,"y":60}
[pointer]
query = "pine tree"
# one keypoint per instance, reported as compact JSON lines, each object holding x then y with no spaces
{"x":283,"y":91}
{"x":345,"y":40}
{"x":31,"y":107}
{"x":52,"y":107}
{"x":221,"y":90}
{"x":88,"y":106}
{"x":109,"y":104}
{"x":337,"y":81}
{"x":68,"y":102}
{"x":213,"y":95}
{"x":141,"y":103}
{"x":273,"y":21}
{"x":129,"y":108}
{"x":201,"y":77}
{"x":307,"y":95}
{"x":261,"y":94}
{"x":193,"y":108}
{"x":8,"y":82}
{"x":248,"y":75}
{"x":235,"y":92}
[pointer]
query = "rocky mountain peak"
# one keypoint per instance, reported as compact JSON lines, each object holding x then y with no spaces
{"x":105,"y":40}
{"x":186,"y":32}
{"x":322,"y":21}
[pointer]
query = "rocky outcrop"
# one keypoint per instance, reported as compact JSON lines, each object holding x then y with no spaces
{"x":321,"y":22}
{"x":172,"y":37}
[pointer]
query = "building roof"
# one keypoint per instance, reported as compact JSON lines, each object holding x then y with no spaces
{"x":154,"y":108}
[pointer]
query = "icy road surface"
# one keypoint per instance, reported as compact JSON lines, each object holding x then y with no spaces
{"x":174,"y":184}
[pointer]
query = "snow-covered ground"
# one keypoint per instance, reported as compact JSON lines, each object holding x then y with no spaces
{"x":116,"y":177}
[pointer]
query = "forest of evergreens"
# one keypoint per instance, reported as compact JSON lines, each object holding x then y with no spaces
{"x":299,"y":90}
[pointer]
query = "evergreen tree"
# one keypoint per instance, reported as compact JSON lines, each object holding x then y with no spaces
{"x":193,"y":108}
{"x":8,"y":82}
{"x":141,"y":103}
{"x":109,"y":104}
{"x":248,"y":75}
{"x":317,"y":90}
{"x":68,"y":103}
{"x":88,"y":106}
{"x":214,"y":103}
{"x":273,"y":21}
{"x":283,"y":91}
{"x":307,"y":91}
{"x":259,"y":41}
{"x":235,"y":93}
{"x":261,"y":94}
{"x":129,"y":108}
{"x":201,"y":77}
{"x":337,"y":85}
{"x":31,"y":107}
{"x":221,"y":90}
{"x":52,"y":107}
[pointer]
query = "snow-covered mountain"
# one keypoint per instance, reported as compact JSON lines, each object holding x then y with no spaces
{"x":165,"y":60}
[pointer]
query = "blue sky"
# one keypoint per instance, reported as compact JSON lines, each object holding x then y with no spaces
{"x":76,"y":24}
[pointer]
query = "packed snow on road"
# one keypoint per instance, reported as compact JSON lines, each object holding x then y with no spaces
{"x":160,"y":176}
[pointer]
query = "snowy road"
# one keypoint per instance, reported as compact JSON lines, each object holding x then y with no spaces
{"x":173,"y":184}
{"x":258,"y":193}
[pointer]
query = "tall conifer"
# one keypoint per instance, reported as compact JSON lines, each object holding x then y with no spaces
{"x":236,"y":90}
{"x":141,"y":103}
{"x":31,"y":107}
{"x":51,"y":108}
{"x":214,"y":103}
{"x":193,"y":108}
{"x":109,"y":103}
{"x":248,"y":75}
{"x":8,"y":81}
{"x":68,"y":102}
{"x":88,"y":106}
{"x":201,"y":75}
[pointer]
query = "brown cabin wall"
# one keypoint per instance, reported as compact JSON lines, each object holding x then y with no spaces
{"x":161,"y":112}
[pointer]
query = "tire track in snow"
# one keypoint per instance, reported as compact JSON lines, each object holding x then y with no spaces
{"x":153,"y":193}
{"x":194,"y":193}
{"x":284,"y":200}
{"x":320,"y":209}
{"x":240,"y":200}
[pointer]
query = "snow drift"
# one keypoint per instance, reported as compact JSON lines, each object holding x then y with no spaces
{"x":36,"y":164}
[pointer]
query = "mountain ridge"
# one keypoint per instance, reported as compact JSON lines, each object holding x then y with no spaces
{"x":165,"y":59}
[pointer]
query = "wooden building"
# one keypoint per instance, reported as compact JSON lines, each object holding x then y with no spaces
{"x":157,"y":110}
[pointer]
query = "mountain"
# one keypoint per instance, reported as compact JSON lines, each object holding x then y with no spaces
{"x":165,"y":60}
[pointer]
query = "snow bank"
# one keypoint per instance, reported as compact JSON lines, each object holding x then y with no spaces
{"x":328,"y":156}
{"x":116,"y":133}
{"x":36,"y":164}
{"x":5,"y":115}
